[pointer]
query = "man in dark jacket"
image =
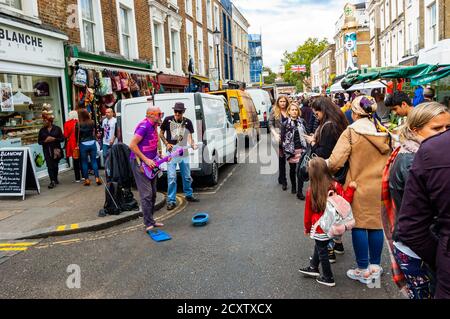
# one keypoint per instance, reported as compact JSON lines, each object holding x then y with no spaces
{"x":426,"y":196}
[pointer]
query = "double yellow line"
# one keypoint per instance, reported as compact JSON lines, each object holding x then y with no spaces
{"x":22,"y":246}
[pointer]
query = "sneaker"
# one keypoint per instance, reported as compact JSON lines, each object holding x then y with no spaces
{"x":310,"y":271}
{"x":376,"y":271}
{"x":331,"y":256}
{"x":76,"y":181}
{"x":326,"y":281}
{"x":362,"y":275}
{"x":339,"y":248}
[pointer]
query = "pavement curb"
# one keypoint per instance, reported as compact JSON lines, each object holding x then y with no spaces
{"x":94,"y":225}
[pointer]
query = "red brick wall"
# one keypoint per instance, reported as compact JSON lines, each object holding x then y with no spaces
{"x":144,"y":34}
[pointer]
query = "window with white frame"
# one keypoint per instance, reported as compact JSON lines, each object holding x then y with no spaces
{"x":201,"y":64}
{"x":211,"y":56}
{"x":158,"y":45}
{"x":15,"y":4}
{"x":433,"y":23}
{"x":216,"y":18}
{"x":174,"y":3}
{"x":125,"y":31}
{"x":410,"y":38}
{"x":175,"y":50}
{"x":198,"y":10}
{"x":382,"y":17}
{"x":209,"y":14}
{"x":87,"y":16}
{"x":188,"y":6}
{"x":191,"y":48}
{"x":400,"y":4}
{"x":401,"y":47}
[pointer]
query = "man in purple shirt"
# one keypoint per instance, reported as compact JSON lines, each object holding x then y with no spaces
{"x":424,"y":217}
{"x":144,"y":147}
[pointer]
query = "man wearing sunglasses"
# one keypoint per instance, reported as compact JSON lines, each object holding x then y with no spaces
{"x":144,"y":148}
{"x":176,"y":132}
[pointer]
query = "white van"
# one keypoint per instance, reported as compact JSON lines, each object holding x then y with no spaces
{"x":213,"y":127}
{"x":262,"y":101}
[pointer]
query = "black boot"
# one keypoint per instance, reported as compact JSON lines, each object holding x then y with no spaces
{"x":284,"y":187}
{"x":300,"y":196}
{"x":293,"y":189}
{"x":52,"y":185}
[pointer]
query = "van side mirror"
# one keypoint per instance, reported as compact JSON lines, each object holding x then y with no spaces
{"x":236,"y":118}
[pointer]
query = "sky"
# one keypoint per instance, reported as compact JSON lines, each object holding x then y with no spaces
{"x":285,"y":24}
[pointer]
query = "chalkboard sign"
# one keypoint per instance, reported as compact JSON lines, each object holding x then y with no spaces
{"x":17,"y":172}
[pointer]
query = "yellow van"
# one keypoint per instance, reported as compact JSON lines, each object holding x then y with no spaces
{"x":244,"y":113}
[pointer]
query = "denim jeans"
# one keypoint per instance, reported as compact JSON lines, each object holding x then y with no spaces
{"x":185,"y":171}
{"x":90,"y":150}
{"x":105,"y":150}
{"x":368,"y":246}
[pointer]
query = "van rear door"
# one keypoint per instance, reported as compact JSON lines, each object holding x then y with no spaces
{"x":129,"y":113}
{"x":166,"y":102}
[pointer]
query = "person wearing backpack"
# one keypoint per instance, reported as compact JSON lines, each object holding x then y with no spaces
{"x":321,"y":183}
{"x":366,"y":145}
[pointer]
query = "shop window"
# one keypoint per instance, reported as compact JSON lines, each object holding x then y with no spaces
{"x":21,"y":103}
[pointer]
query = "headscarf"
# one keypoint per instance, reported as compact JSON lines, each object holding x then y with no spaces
{"x":366,"y":106}
{"x":73,"y":115}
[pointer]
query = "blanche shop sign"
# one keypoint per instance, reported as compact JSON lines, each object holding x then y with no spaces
{"x":20,"y":38}
{"x":23,"y":46}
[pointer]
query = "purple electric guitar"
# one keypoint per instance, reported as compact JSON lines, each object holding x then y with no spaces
{"x":151,"y":173}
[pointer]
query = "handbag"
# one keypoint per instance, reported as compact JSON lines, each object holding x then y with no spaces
{"x":76,"y":150}
{"x":304,"y":163}
{"x":57,"y":154}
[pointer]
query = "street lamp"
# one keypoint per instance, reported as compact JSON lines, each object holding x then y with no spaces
{"x":217,"y":40}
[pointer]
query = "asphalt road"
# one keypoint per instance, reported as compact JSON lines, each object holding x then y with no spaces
{"x":251,"y":248}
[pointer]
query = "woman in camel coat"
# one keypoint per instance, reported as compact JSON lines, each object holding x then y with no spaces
{"x":366,"y":146}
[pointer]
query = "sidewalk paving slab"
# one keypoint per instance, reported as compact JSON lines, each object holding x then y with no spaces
{"x":67,"y":209}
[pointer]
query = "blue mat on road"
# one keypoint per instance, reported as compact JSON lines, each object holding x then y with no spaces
{"x":158,"y":235}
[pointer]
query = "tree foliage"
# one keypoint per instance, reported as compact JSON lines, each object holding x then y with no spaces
{"x":302,"y":56}
{"x":271,"y":78}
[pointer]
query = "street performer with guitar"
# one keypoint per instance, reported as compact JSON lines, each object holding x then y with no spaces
{"x":144,"y":148}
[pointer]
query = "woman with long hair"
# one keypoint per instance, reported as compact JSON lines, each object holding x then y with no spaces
{"x":293,"y":140}
{"x":332,"y":124}
{"x":277,"y":117}
{"x":88,"y":147}
{"x":410,"y":273}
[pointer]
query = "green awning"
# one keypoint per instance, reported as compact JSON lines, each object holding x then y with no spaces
{"x":431,"y":77}
{"x":388,"y":73}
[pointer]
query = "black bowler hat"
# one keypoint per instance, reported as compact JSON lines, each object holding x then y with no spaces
{"x":179,"y":107}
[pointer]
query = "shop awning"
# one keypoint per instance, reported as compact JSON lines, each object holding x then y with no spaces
{"x":384,"y":73}
{"x":201,"y":78}
{"x":431,"y":77}
{"x":337,"y":87}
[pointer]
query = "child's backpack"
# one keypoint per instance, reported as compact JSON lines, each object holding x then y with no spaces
{"x":337,"y":217}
